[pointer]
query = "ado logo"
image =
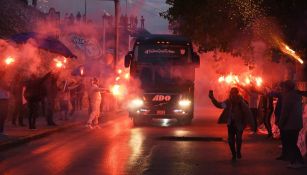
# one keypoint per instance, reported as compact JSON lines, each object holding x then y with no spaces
{"x":161,"y":98}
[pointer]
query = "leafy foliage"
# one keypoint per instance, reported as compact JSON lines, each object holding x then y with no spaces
{"x":222,"y":23}
{"x":17,"y":17}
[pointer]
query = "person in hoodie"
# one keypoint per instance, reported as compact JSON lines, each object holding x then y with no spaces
{"x":237,"y":114}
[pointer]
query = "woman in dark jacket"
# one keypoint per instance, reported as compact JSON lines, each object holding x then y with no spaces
{"x":237,"y":114}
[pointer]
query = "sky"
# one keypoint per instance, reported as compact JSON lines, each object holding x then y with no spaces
{"x":150,"y":9}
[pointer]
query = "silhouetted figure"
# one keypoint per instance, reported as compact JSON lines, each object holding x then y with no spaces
{"x":66,"y":18}
{"x":71,"y":19}
{"x":4,"y":103}
{"x":50,"y":85}
{"x":236,"y":114}
{"x":64,"y":100}
{"x":291,"y":122}
{"x":34,"y":94}
{"x":73,"y":89}
{"x":267,"y":107}
{"x":78,"y":17}
{"x":142,"y":22}
{"x":80,"y":93}
{"x":34,"y":3}
{"x":16,"y":92}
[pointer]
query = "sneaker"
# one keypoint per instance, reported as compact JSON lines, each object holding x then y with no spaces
{"x":22,"y":125}
{"x":281,"y":158}
{"x":239,"y":156}
{"x":97,"y":127}
{"x":270,"y":135}
{"x":296,"y":165}
{"x":252,"y":133}
{"x":89,"y":126}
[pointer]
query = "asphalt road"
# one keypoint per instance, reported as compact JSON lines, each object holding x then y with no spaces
{"x":118,"y":148}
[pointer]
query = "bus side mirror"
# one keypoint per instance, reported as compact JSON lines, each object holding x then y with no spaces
{"x":196,"y":59}
{"x":128,"y":59}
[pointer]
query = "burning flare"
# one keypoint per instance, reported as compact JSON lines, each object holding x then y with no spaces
{"x":259,"y":81}
{"x":116,"y":90}
{"x":117,"y":78}
{"x":287,"y":50}
{"x":231,"y":79}
{"x":127,"y":76}
{"x":9,"y":60}
{"x":81,"y":71}
{"x":60,"y":63}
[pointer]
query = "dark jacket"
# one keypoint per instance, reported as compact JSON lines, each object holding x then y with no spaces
{"x":278,"y":106}
{"x":238,"y":114}
{"x":35,"y":90}
{"x":291,"y":117}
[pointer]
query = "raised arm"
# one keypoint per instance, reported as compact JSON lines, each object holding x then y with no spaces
{"x":221,"y":105}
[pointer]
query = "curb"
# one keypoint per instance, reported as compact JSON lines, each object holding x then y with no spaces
{"x":35,"y":136}
{"x":25,"y":139}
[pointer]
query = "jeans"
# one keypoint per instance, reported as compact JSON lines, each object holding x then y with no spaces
{"x":73,"y":102}
{"x":18,"y":112}
{"x":267,"y":121}
{"x":234,"y":139}
{"x":290,"y":138}
{"x":33,"y":113}
{"x":50,"y":106}
{"x":255,"y":115}
{"x":3,"y":113}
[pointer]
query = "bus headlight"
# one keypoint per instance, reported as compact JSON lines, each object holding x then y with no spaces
{"x":136,"y":103}
{"x":184,"y":103}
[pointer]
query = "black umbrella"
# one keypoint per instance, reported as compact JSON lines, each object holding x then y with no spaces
{"x":45,"y":42}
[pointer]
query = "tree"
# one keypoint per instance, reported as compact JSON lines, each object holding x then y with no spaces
{"x":221,"y":23}
{"x":210,"y":23}
{"x":24,"y":2}
{"x":17,"y":17}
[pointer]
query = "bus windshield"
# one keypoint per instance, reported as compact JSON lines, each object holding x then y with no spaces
{"x":151,"y":76}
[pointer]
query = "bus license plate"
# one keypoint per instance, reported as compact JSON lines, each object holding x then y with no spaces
{"x":160,"y":112}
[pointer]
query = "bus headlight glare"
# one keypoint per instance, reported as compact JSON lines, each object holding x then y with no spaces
{"x":184,"y":103}
{"x":136,"y":103}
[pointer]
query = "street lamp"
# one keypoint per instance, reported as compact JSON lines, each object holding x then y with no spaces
{"x":116,"y":36}
{"x":105,"y":15}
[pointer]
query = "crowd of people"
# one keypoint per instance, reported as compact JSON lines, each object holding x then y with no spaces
{"x":44,"y":96}
{"x":252,"y":107}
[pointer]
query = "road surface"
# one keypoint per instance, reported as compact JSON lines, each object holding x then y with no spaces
{"x":119,"y":149}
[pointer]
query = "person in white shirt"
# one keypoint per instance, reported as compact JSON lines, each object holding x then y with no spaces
{"x":95,"y":101}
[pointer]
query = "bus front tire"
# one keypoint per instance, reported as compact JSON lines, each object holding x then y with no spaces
{"x":139,"y":121}
{"x":185,"y":121}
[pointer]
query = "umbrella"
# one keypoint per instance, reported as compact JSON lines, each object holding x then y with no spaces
{"x":45,"y":42}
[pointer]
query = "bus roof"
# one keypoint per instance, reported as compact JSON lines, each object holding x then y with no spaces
{"x":172,"y":39}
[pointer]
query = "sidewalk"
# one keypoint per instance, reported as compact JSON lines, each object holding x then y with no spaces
{"x":16,"y":135}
